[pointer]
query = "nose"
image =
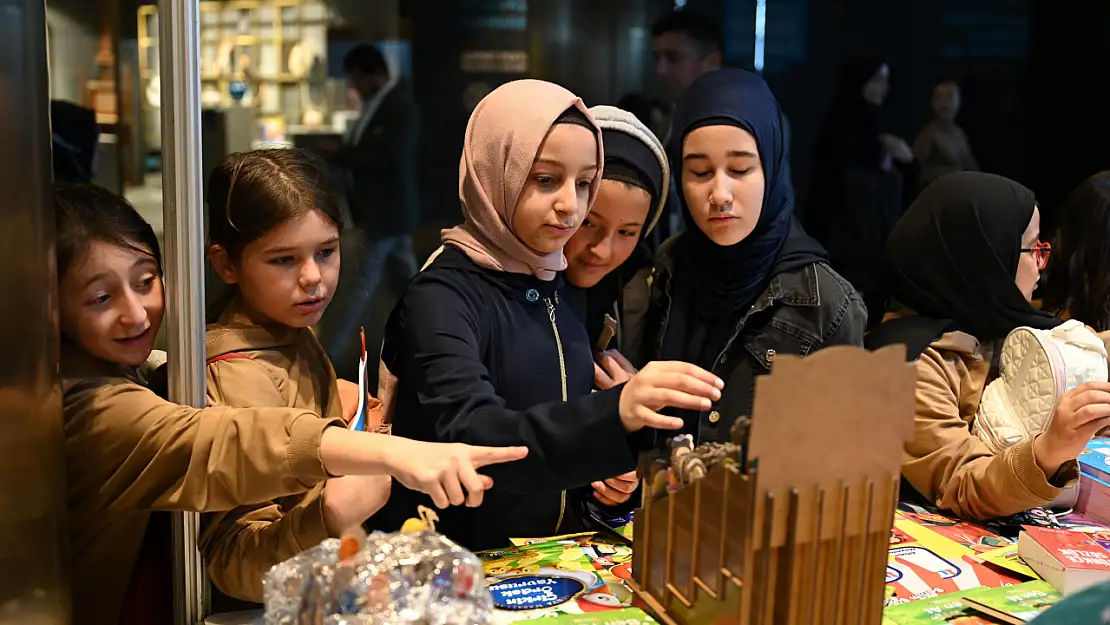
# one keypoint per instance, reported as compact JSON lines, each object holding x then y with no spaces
{"x":133,"y":312}
{"x":720,"y":196}
{"x":566,"y":201}
{"x":602,"y":248}
{"x":310,"y":275}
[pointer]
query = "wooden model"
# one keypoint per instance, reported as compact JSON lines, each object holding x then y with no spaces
{"x":796,"y":532}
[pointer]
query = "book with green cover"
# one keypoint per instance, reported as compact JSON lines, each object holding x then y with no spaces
{"x":627,"y":616}
{"x":948,"y":608}
{"x":1014,"y":604}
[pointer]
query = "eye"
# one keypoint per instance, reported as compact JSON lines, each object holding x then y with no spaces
{"x":585,"y":184}
{"x":629,"y":233}
{"x":586,"y":223}
{"x":701,"y":175}
{"x":146,"y":282}
{"x":99,"y":300}
{"x":740,"y":172}
{"x":281,"y":260}
{"x":327,"y":252}
{"x":544,"y":180}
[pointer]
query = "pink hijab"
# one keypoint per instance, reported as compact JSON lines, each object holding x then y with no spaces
{"x":502,"y":140}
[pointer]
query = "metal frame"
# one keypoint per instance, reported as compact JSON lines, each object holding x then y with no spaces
{"x":183,"y":184}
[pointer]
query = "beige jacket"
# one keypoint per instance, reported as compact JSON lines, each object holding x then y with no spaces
{"x":129,"y":452}
{"x":251,"y":366}
{"x":946,"y":463}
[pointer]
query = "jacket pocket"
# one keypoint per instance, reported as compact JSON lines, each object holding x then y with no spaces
{"x":778,"y":338}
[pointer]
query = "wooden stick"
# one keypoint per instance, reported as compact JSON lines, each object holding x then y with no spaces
{"x":838,"y":605}
{"x":816,"y":603}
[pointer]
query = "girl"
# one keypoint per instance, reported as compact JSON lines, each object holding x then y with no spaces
{"x":857,"y":192}
{"x":607,"y":260}
{"x":128,"y":452}
{"x":743,"y":283}
{"x":965,"y":260}
{"x":1078,"y":285}
{"x":483,"y":343}
{"x":274,"y":233}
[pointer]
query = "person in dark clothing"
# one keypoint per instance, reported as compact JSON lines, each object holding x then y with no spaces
{"x":742,"y":283}
{"x":1078,"y":285}
{"x":857,"y":192}
{"x":485,"y":346}
{"x":379,"y":159}
{"x":75,"y":137}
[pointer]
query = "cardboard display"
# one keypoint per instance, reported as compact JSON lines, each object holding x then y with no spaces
{"x":799,"y":534}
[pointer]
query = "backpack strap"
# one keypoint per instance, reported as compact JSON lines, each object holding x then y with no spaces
{"x":228,"y":356}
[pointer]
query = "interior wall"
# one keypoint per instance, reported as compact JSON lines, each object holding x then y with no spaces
{"x":73,"y":46}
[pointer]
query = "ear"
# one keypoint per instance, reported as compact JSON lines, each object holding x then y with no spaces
{"x":222,"y":265}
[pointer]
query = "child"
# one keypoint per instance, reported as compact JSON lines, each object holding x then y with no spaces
{"x":273,"y":230}
{"x":129,"y":452}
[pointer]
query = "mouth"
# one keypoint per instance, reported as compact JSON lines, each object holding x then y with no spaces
{"x":135,"y":341}
{"x":312,"y":305}
{"x":724,"y":218}
{"x":560,"y":228}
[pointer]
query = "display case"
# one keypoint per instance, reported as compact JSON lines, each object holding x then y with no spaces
{"x":269,"y":56}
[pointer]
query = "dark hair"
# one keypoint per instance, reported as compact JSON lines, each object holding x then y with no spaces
{"x":367,"y":59}
{"x":698,"y":26}
{"x":251,"y":193}
{"x":84,"y":213}
{"x":1078,"y":282}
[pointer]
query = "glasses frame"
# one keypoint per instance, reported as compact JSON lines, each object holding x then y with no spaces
{"x":1041,"y":252}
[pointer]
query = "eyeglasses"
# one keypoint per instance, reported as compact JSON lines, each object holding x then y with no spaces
{"x":1041,"y":251}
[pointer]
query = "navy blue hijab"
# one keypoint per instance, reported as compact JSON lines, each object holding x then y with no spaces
{"x":729,"y":279}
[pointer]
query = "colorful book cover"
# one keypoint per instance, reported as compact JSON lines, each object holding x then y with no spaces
{"x":358,"y":423}
{"x":544,"y":579}
{"x":930,"y":564}
{"x":974,"y":537}
{"x":1075,"y":550}
{"x":610,"y":556}
{"x":627,"y":616}
{"x":1009,"y":559}
{"x":1095,"y":459}
{"x":945,"y":609}
{"x":1091,"y":606}
{"x":1021,"y":603}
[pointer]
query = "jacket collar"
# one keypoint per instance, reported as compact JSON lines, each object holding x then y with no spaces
{"x":235,"y":331}
{"x":76,"y":364}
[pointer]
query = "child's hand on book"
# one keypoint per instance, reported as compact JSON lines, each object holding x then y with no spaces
{"x":445,"y":470}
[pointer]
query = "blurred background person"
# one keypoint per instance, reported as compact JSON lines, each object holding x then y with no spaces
{"x":942,"y":146}
{"x":75,"y":138}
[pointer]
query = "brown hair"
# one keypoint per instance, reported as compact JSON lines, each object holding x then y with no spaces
{"x":251,"y":193}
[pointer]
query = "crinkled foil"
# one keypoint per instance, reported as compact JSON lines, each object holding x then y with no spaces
{"x":396,"y":579}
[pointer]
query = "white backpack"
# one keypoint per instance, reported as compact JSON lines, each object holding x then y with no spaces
{"x":1035,"y":370}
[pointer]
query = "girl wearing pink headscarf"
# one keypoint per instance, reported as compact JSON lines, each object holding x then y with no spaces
{"x":486,"y":347}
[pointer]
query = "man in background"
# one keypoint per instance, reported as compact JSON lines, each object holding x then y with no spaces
{"x":685,"y":44}
{"x":379,"y":160}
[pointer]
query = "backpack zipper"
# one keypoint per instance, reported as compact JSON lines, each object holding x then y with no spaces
{"x":563,"y":376}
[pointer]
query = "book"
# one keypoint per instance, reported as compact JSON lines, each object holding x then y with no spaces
{"x":1069,"y":560}
{"x":545,"y":579}
{"x":1014,"y":604}
{"x":944,"y":609}
{"x":627,"y":616}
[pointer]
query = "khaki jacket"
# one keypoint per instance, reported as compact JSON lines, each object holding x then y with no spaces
{"x":250,"y":365}
{"x":129,"y":452}
{"x":949,"y":465}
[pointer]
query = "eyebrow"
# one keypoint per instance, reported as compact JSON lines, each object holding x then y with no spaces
{"x":104,"y":274}
{"x":282,"y":250}
{"x":549,"y":161}
{"x":732,"y":153}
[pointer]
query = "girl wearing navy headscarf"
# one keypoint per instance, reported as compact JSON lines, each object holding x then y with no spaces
{"x":743,"y":283}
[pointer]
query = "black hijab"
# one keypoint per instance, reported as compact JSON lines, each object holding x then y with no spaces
{"x":728,"y":279}
{"x":954,"y":255}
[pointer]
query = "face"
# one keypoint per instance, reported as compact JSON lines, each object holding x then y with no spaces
{"x":722,"y":182}
{"x":946,"y":101}
{"x":876,"y":88}
{"x":366,"y":85}
{"x":556,"y":196}
{"x":112,"y":303}
{"x":289,"y":275}
{"x":609,"y":234}
{"x":679,"y":60}
{"x":1027,"y":272}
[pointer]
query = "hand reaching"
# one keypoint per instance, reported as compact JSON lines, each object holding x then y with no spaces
{"x":611,"y":369}
{"x":444,"y":470}
{"x":662,"y":384}
{"x":616,"y":490}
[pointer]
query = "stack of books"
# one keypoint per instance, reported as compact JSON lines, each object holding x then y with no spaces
{"x":1094,"y":485}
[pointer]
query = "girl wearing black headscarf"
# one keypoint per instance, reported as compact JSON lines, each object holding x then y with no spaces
{"x":965,"y":260}
{"x":743,"y":283}
{"x":856,"y":196}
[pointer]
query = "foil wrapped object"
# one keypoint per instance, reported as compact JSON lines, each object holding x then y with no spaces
{"x":420,"y":578}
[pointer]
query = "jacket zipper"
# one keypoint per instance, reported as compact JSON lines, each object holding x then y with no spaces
{"x":563,"y":378}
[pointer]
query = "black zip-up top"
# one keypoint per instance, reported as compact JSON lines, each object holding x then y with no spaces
{"x":478,"y":360}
